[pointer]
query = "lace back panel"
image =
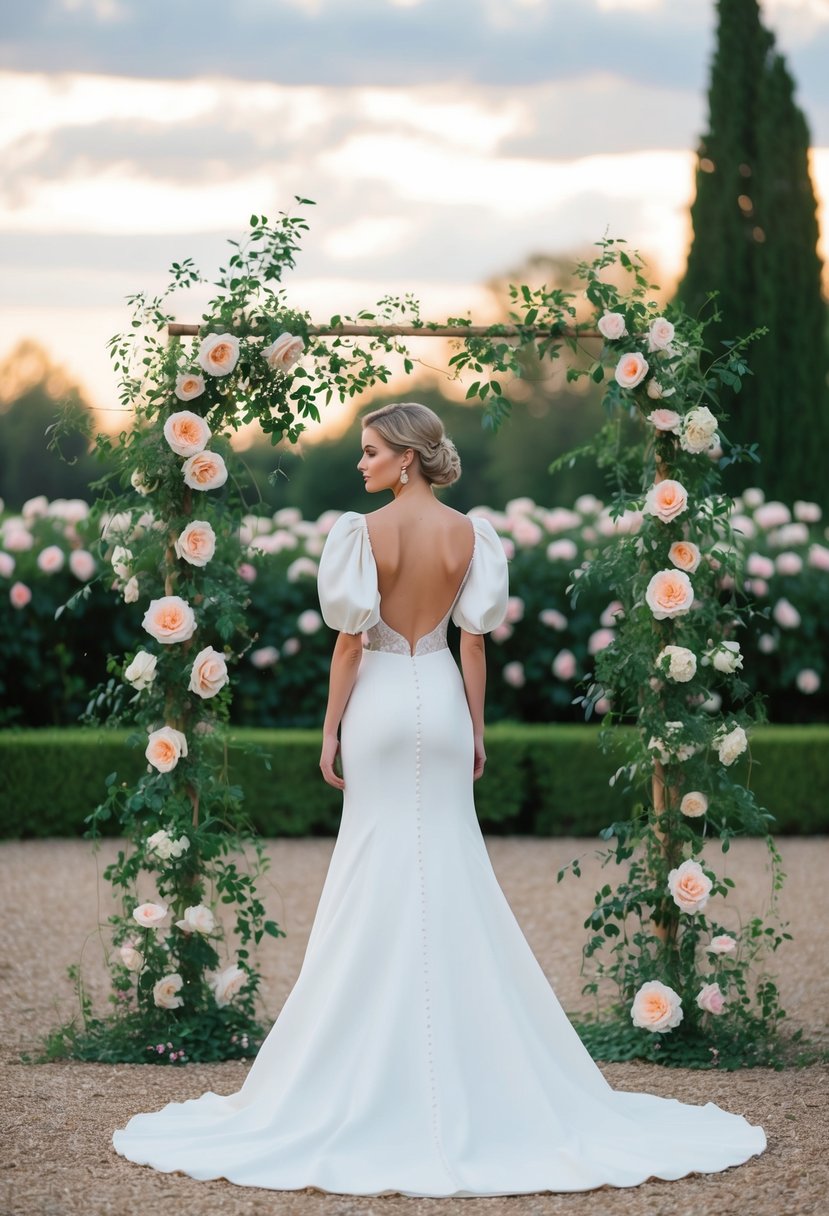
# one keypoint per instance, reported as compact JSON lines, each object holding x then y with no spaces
{"x":382,"y":637}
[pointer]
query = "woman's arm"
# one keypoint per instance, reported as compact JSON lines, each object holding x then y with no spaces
{"x":345,"y":661}
{"x":473,"y":665}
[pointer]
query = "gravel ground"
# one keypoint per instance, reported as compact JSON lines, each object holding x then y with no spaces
{"x":56,"y":1157}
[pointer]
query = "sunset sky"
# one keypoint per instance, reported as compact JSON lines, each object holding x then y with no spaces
{"x":443,"y":141}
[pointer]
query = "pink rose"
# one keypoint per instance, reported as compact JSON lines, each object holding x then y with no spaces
{"x":689,"y":886}
{"x":612,"y":326}
{"x":189,"y":385}
{"x":197,"y":543}
{"x":666,"y":500}
{"x":204,"y":471}
{"x":132,"y":959}
{"x":600,"y":640}
{"x":186,"y":433}
{"x":208,"y":674}
{"x":219,"y":354}
{"x":808,"y":681}
{"x":247,"y":572}
{"x":819,"y":557}
{"x":684,"y":555}
{"x":759,"y":566}
{"x":169,"y":619}
{"x":309,"y":621}
{"x":772,"y":515}
{"x":710,"y":999}
{"x":553,"y":619}
{"x":665,"y":420}
{"x":284,"y":352}
{"x":631,"y":370}
{"x":656,"y":1007}
{"x":508,"y":546}
{"x":515,"y":609}
{"x":669,"y":593}
{"x":17,"y":538}
{"x":786,"y":614}
{"x":265,"y":656}
{"x":807,"y":512}
{"x":51,"y":559}
{"x":723,"y":943}
{"x":789,"y":563}
{"x":612,"y":614}
{"x":82,"y":564}
{"x":150,"y":915}
{"x":563,"y":550}
{"x":20,"y":595}
{"x":502,"y":632}
{"x":694,"y":805}
{"x":6,"y":565}
{"x":525,"y":532}
{"x":514,"y":675}
{"x":660,"y":334}
{"x":165,"y":747}
{"x":291,"y":646}
{"x":564,"y":665}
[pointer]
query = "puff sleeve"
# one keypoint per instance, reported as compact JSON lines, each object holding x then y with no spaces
{"x":347,"y":578}
{"x":483,"y":602}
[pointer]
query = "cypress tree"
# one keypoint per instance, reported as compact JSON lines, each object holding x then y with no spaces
{"x":755,"y":241}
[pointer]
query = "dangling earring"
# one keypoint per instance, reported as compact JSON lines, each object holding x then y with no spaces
{"x":404,"y":476}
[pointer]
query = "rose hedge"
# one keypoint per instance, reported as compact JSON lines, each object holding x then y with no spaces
{"x":537,"y":658}
{"x":540,"y":780}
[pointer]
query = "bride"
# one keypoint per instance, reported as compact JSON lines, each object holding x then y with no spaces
{"x":422,"y":1049}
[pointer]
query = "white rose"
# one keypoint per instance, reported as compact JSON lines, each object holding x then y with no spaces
{"x":160,"y":844}
{"x":226,"y":984}
{"x":725,"y":658}
{"x":197,"y":919}
{"x":660,"y":334}
{"x":730,"y":744}
{"x":132,"y":959}
{"x":141,"y":671}
{"x":612,"y":326}
{"x":165,"y":992}
{"x":121,"y":558}
{"x":681,"y":663}
{"x":150,"y":915}
{"x":284,"y":352}
{"x":699,"y":426}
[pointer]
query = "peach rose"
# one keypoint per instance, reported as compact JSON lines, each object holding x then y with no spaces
{"x":219,"y":354}
{"x":665,"y":420}
{"x":187,"y":433}
{"x":666,"y":500}
{"x":723,"y":943}
{"x":612,"y":326}
{"x":694,"y":804}
{"x":165,"y":747}
{"x":20,"y":595}
{"x":689,"y":886}
{"x":631,"y":370}
{"x":685,"y":555}
{"x":197,"y":543}
{"x":197,"y":919}
{"x":165,"y":992}
{"x":51,"y":559}
{"x":204,"y":471}
{"x":209,"y":673}
{"x":189,"y":385}
{"x":284,"y":352}
{"x":669,"y":593}
{"x":226,"y":984}
{"x":169,"y":619}
{"x":710,"y":999}
{"x":660,"y":334}
{"x":656,"y":1007}
{"x":150,"y":915}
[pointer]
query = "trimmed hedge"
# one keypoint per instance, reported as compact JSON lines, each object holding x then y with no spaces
{"x":540,"y":780}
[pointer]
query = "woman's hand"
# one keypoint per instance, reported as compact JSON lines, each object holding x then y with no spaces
{"x":330,"y":748}
{"x":480,"y":758}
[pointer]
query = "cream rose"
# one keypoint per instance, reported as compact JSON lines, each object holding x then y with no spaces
{"x":197,"y":919}
{"x":710,"y":999}
{"x":131,"y":590}
{"x":150,"y":915}
{"x":162,"y":843}
{"x":631,"y":370}
{"x":699,"y":426}
{"x":665,"y":420}
{"x":656,"y":1007}
{"x":139,"y":483}
{"x":165,"y":992}
{"x":197,"y":543}
{"x":219,"y":354}
{"x":666,"y":500}
{"x":204,"y":471}
{"x":226,"y":984}
{"x":612,"y":326}
{"x":677,"y":663}
{"x":660,"y":334}
{"x":657,"y":391}
{"x":725,"y":658}
{"x":165,"y":747}
{"x":669,"y":593}
{"x":694,"y":804}
{"x":132,"y":959}
{"x":208,"y":673}
{"x":141,"y":671}
{"x":169,"y":619}
{"x":685,"y":555}
{"x":723,"y":943}
{"x":189,"y":385}
{"x":186,"y":433}
{"x":671,"y":748}
{"x":689,"y":886}
{"x":121,"y":559}
{"x":284,"y":352}
{"x":730,"y":744}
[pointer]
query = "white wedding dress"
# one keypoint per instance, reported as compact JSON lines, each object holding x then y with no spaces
{"x":422,"y":1049}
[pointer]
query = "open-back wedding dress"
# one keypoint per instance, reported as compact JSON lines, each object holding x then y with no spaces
{"x":422,"y":1049}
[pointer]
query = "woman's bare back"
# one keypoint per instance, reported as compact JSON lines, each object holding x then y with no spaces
{"x":422,"y":552}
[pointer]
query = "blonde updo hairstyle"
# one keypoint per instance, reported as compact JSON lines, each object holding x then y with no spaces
{"x":408,"y":424}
